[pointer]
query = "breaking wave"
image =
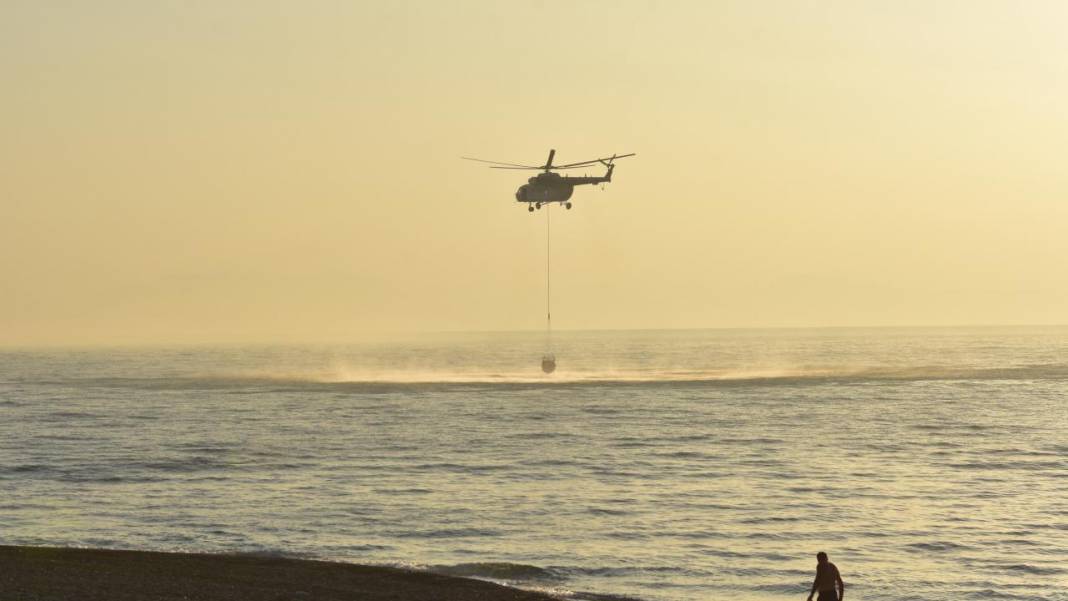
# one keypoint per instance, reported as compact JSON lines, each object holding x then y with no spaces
{"x":498,"y":571}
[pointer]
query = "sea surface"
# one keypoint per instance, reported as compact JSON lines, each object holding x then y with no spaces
{"x":931,"y":464}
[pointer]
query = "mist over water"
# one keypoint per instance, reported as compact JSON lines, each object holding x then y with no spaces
{"x":676,"y":465}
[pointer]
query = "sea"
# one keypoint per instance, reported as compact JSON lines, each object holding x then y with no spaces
{"x":929,"y":463}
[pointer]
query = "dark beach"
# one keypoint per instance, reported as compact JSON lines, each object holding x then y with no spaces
{"x":58,"y":574}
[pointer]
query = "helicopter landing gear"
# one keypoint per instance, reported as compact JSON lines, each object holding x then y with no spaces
{"x":537,"y":205}
{"x":568,"y":206}
{"x":530,"y":208}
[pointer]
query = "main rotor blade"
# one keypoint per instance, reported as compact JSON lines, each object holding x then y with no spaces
{"x":594,"y":161}
{"x":543,"y":168}
{"x":575,"y":165}
{"x":514,"y":165}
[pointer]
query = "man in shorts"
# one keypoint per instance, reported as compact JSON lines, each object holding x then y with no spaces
{"x":827,"y":577}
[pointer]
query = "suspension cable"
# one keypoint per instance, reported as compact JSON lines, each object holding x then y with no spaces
{"x":548,"y":281}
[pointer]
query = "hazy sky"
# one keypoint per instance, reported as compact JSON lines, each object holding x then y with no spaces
{"x":288,"y":171}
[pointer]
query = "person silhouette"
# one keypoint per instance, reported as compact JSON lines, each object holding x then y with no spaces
{"x":827,"y":577}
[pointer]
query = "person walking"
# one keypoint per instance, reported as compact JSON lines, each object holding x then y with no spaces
{"x":827,"y":578}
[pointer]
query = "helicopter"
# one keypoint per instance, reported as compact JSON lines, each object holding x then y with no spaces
{"x":548,"y":187}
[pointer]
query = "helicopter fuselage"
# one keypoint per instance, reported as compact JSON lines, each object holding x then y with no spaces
{"x":552,"y":187}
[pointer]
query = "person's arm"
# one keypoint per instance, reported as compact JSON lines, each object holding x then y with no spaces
{"x":814,"y":583}
{"x":841,"y":585}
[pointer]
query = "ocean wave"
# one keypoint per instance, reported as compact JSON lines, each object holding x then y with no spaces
{"x":993,"y":593}
{"x":448,"y":533}
{"x":1002,"y":466}
{"x":498,"y":571}
{"x":1035,"y":570}
{"x":772,"y":519}
{"x":185,"y":465}
{"x":938,"y":546}
{"x":67,"y":416}
{"x":25,"y":468}
{"x":403,"y":491}
{"x":622,"y":570}
{"x":607,"y":511}
{"x":587,"y":596}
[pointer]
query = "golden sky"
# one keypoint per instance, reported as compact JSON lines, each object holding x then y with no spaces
{"x":289,"y":171}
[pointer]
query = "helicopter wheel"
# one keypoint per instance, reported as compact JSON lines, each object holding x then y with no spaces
{"x":537,"y":206}
{"x":568,"y":205}
{"x":530,"y":208}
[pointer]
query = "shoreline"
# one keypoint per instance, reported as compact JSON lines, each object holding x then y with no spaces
{"x":75,"y":574}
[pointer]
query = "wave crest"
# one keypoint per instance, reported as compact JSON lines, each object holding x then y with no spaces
{"x":497,"y":571}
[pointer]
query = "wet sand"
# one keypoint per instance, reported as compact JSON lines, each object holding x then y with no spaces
{"x":59,"y":574}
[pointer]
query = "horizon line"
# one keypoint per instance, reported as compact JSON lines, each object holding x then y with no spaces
{"x":379,"y":337}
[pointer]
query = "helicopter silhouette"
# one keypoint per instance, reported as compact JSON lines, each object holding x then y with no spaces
{"x":550,"y":187}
